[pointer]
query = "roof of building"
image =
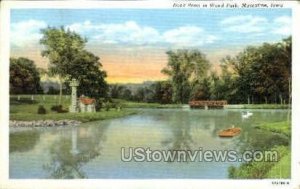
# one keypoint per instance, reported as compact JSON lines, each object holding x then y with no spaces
{"x":87,"y":101}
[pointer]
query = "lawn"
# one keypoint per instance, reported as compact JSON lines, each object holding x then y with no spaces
{"x":83,"y":117}
{"x":25,"y":109}
{"x":277,"y":127}
{"x":131,"y":104}
{"x":280,"y":169}
{"x":258,"y":106}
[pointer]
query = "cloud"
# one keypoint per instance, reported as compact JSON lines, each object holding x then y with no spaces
{"x":282,"y":25}
{"x":26,"y":32}
{"x":132,"y":33}
{"x":125,"y":33}
{"x":188,"y":36}
{"x":129,"y":33}
{"x":244,"y":24}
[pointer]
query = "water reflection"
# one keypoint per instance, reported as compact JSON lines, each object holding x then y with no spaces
{"x":23,"y":141}
{"x":181,"y":134}
{"x":73,"y":150}
{"x":92,"y":150}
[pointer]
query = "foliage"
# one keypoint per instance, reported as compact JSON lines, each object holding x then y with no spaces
{"x":258,"y":170}
{"x":24,"y":77}
{"x":41,"y":110}
{"x":86,"y":69}
{"x":162,"y":92}
{"x":68,"y":59}
{"x":58,"y":109}
{"x":27,"y":112}
{"x":264,"y":73}
{"x":52,"y":91}
{"x":185,"y":69}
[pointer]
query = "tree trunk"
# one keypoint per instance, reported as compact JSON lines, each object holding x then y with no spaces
{"x":280,"y":97}
{"x":266,"y":100}
{"x":60,"y":91}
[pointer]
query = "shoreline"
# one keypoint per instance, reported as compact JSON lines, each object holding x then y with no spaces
{"x":43,"y":123}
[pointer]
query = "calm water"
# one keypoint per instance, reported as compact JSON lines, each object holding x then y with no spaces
{"x":93,"y":150}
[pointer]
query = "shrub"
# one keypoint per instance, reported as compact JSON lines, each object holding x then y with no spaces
{"x":99,"y":105}
{"x":58,"y":109}
{"x":106,"y":106}
{"x":41,"y":110}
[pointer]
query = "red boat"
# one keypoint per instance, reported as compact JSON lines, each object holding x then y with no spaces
{"x":230,"y":132}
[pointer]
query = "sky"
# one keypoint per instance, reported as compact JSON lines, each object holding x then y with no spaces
{"x":131,"y":43}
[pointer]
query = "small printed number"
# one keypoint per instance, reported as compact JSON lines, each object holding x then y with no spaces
{"x":280,"y":183}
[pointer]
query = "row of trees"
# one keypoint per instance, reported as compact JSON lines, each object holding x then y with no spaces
{"x":259,"y":74}
{"x":160,"y":92}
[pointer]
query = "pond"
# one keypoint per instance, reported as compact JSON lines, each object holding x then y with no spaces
{"x":93,"y":150}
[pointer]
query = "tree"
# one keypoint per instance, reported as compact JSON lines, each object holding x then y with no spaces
{"x":24,"y":77}
{"x":162,"y":92}
{"x":263,"y":73}
{"x":116,"y":91}
{"x":61,"y":48}
{"x":185,"y":68}
{"x":68,"y":59}
{"x":86,"y":68}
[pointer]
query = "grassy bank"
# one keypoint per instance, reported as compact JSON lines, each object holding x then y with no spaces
{"x":265,"y":169}
{"x":129,"y":104}
{"x":282,"y":169}
{"x":277,"y":127}
{"x":268,"y":169}
{"x":258,"y":106}
{"x":25,"y":109}
{"x":83,"y":117}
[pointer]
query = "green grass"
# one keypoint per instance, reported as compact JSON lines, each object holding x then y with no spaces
{"x":265,"y":169}
{"x":128,"y":104}
{"x":277,"y":127}
{"x":258,"y":106}
{"x":26,"y":110}
{"x":83,"y":117}
{"x":282,"y":169}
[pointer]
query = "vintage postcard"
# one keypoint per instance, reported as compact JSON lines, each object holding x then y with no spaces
{"x":149,"y":94}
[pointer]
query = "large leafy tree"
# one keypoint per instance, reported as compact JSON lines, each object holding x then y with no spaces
{"x":186,"y":68}
{"x":68,"y":59}
{"x":24,"y":77}
{"x":263,"y":73}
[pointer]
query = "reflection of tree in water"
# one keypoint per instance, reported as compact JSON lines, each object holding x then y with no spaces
{"x":181,"y":130}
{"x":70,"y":153}
{"x":23,"y":141}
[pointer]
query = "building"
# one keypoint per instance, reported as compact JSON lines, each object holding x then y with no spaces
{"x":87,"y":104}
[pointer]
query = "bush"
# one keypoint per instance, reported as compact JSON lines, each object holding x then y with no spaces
{"x":41,"y":110}
{"x":58,"y":109}
{"x":107,"y":106}
{"x":99,"y":105}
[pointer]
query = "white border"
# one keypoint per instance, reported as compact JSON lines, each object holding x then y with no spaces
{"x":5,"y":182}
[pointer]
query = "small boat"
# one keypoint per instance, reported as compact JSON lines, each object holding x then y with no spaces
{"x":231,"y":132}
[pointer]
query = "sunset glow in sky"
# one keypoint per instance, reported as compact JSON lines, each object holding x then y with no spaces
{"x":131,"y":43}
